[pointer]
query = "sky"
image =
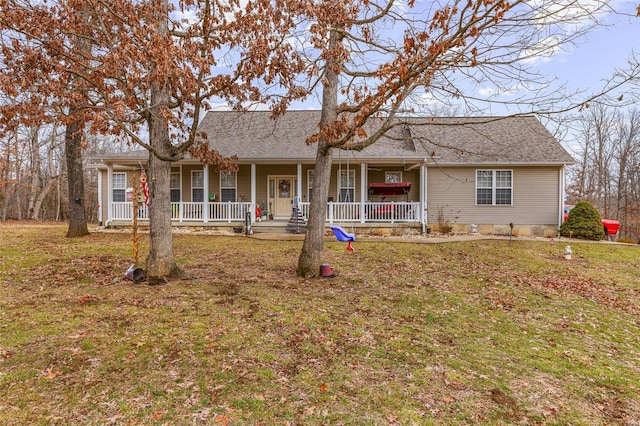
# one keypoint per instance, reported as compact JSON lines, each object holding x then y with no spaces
{"x":584,"y":67}
{"x":608,"y":47}
{"x":589,"y":66}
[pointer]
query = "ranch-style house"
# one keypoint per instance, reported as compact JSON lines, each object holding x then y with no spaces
{"x":480,"y":174}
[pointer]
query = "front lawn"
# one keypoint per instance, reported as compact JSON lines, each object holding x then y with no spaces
{"x":484,"y":332}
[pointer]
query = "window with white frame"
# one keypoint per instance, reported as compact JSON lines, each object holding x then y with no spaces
{"x":174,"y":182}
{"x":392,"y":177}
{"x":346,"y":186}
{"x":309,"y":184}
{"x":197,"y":186}
{"x":227,"y":186}
{"x":494,"y":187}
{"x":119,"y":187}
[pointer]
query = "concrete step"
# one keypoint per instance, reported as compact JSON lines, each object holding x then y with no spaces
{"x":271,"y":227}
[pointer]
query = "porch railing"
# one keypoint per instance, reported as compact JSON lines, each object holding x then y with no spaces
{"x":228,"y":211}
{"x":186,"y":211}
{"x":367,"y":212}
{"x":392,"y":212}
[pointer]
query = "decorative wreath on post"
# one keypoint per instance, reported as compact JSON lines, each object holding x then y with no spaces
{"x":284,"y":186}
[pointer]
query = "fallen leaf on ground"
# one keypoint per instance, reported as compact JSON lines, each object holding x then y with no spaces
{"x":222,"y":419}
{"x":51,"y":374}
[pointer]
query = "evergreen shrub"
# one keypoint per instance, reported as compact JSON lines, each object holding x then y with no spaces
{"x":584,"y":222}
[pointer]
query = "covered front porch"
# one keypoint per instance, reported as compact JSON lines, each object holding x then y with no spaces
{"x":359,"y":194}
{"x":219,"y":213}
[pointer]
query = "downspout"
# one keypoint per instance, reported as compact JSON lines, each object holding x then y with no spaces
{"x":561,"y":194}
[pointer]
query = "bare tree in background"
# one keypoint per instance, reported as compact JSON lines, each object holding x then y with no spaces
{"x":608,"y":169}
{"x":8,"y":177}
{"x":29,"y":170}
{"x":43,"y":177}
{"x":597,"y":135}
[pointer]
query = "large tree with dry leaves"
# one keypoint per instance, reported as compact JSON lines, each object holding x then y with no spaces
{"x":372,"y":61}
{"x":153,"y":65}
{"x":36,"y":92}
{"x":145,"y":70}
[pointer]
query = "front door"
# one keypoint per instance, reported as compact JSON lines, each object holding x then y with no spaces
{"x":284,"y":195}
{"x":282,"y":192}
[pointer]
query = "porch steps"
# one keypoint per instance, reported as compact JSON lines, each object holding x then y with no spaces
{"x":270,"y":227}
{"x":297,"y":224}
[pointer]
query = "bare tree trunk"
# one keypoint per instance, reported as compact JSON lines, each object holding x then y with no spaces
{"x":58,"y":200}
{"x":18,"y":182}
{"x":73,"y":150}
{"x":36,"y":181}
{"x":311,"y":255}
{"x":5,"y":202}
{"x":75,"y":179}
{"x":5,"y":186}
{"x":42,"y":196}
{"x":50,"y":185}
{"x":627,"y":153}
{"x":161,"y":261}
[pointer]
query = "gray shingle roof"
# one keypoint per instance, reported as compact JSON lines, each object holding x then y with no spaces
{"x":254,"y":136}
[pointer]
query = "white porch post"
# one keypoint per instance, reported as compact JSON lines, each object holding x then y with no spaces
{"x":99,"y":196}
{"x":205,"y":202}
{"x":423,"y":196}
{"x":181,"y":207}
{"x":253,"y":193}
{"x":363,"y":189}
{"x":299,"y":184}
{"x":561,"y":183}
{"x":109,"y":193}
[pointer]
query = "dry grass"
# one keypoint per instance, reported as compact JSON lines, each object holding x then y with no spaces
{"x":488,"y":332}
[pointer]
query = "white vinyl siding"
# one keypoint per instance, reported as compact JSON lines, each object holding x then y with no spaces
{"x":535,"y":197}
